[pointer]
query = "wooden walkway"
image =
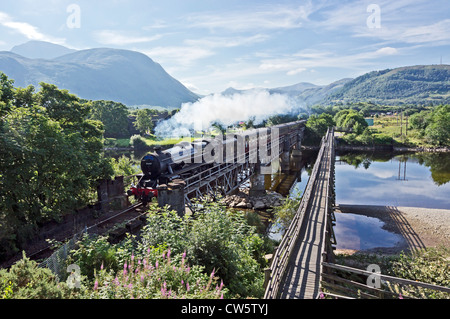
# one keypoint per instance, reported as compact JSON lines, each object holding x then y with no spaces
{"x":298,"y":274}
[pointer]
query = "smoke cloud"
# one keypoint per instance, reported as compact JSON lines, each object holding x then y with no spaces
{"x":226,"y":110}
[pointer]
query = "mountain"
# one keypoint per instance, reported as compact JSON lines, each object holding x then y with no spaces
{"x":304,"y":93}
{"x":421,"y":84}
{"x":41,"y":50}
{"x":123,"y":76}
{"x":294,"y":89}
{"x":310,"y":94}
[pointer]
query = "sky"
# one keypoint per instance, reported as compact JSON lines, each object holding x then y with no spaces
{"x":211,"y":45}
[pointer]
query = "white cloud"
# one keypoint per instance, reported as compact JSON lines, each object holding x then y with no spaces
{"x":113,"y":37}
{"x":308,"y":59}
{"x":29,"y":31}
{"x":273,"y":17}
{"x":181,"y":56}
{"x":386,"y":51}
{"x":226,"y":42}
{"x":296,"y":71}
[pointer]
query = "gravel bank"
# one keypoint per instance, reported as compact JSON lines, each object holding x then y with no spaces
{"x":419,"y":227}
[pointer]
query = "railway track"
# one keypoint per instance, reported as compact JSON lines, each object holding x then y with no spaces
{"x":128,"y":216}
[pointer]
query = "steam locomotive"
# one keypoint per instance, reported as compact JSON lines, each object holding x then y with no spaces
{"x":187,"y":159}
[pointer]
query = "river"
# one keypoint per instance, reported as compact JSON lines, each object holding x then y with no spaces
{"x":382,"y":179}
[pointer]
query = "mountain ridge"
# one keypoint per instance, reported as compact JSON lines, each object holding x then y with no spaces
{"x":124,"y":76}
{"x":418,"y":84}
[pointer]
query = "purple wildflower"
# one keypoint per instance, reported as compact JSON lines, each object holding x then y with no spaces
{"x":96,"y":285}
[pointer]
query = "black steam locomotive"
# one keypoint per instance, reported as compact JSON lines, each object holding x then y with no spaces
{"x":187,"y":159}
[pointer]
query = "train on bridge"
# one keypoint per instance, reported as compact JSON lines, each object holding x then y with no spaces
{"x":190,"y":158}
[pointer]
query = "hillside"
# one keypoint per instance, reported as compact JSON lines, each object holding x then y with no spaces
{"x":40,"y":50}
{"x":123,"y":76}
{"x":304,"y":93}
{"x":421,"y":84}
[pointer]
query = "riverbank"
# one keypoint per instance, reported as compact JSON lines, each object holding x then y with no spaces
{"x":419,"y":227}
{"x":383,"y":148}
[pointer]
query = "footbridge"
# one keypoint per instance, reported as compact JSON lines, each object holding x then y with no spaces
{"x":296,"y":268}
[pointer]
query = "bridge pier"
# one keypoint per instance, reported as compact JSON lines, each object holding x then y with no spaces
{"x":257,"y":185}
{"x":172,"y":195}
{"x":285,"y":161}
{"x":257,"y":182}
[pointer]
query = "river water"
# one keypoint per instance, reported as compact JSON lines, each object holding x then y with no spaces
{"x":413,"y":179}
{"x":385,"y":179}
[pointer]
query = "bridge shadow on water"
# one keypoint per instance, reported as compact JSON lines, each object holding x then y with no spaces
{"x":394,"y":222}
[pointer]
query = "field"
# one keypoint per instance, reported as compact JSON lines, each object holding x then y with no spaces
{"x":150,"y":141}
{"x":402,"y":134}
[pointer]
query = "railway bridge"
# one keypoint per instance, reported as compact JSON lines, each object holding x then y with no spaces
{"x":227,"y":176}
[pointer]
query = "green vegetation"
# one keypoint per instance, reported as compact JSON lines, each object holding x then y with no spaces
{"x":284,"y":214}
{"x":417,"y":85}
{"x":216,"y":254}
{"x":25,"y":280}
{"x":114,"y":117}
{"x":50,"y":161}
{"x":403,"y":126}
{"x":427,"y":265}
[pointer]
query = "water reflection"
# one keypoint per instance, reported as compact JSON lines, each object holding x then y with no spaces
{"x":361,"y":232}
{"x":414,"y":179}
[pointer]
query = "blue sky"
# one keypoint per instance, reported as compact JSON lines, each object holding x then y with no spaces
{"x":212,"y":45}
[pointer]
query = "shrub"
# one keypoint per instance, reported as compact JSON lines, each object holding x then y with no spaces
{"x":216,"y":239}
{"x":138,"y":142}
{"x":163,"y":279}
{"x":25,"y":280}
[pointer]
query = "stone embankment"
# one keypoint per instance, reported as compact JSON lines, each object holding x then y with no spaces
{"x":243,"y":200}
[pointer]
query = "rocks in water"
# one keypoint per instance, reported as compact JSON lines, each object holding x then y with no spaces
{"x":243,"y":200}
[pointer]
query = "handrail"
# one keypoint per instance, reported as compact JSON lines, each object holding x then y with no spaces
{"x":282,"y":254}
{"x":327,"y":198}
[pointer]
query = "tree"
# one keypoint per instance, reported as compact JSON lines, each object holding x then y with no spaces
{"x":62,"y":106}
{"x":419,"y":120}
{"x":51,"y":158}
{"x":24,"y":97}
{"x":6,"y":93}
{"x":114,"y":117}
{"x":144,"y":122}
{"x":350,"y":119}
{"x":320,"y":124}
{"x":438,"y":131}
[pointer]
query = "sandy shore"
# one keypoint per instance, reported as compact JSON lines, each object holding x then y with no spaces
{"x":419,"y":227}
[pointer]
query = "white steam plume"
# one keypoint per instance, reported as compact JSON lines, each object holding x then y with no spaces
{"x":226,"y":110}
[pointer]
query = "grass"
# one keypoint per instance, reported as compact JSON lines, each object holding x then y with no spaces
{"x":165,"y":142}
{"x":390,"y":125}
{"x":117,"y":142}
{"x":150,"y":141}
